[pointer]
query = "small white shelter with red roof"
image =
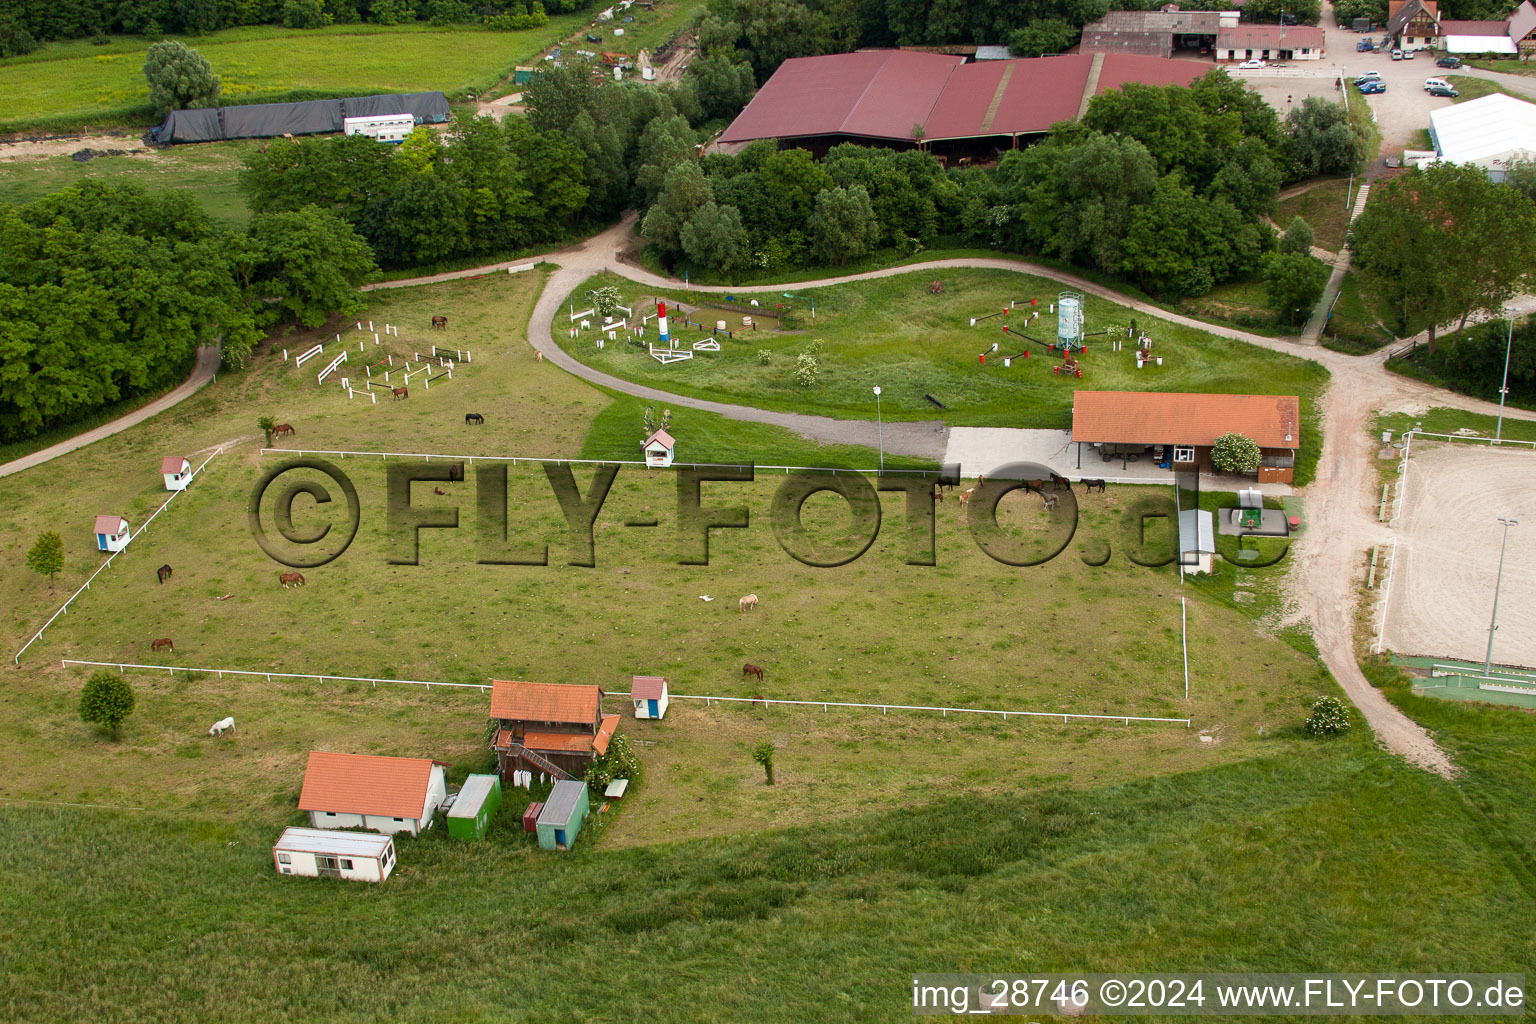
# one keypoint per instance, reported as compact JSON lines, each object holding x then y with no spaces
{"x":650,"y":696}
{"x":658,"y":450}
{"x":177,"y":472}
{"x":112,"y":533}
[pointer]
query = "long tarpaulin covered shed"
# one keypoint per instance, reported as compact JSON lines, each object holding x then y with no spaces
{"x":311,"y":117}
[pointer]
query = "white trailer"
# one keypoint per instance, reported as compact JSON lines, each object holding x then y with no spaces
{"x":323,"y":853}
{"x":383,"y":127}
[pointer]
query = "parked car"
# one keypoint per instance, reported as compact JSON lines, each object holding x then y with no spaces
{"x":1365,"y":46}
{"x":1368,"y":88}
{"x":1448,"y":62}
{"x":1369,"y":76}
{"x":1250,"y":65}
{"x":1444,"y":90}
{"x":1397,"y":54}
{"x":1430,"y":83}
{"x":1408,"y":54}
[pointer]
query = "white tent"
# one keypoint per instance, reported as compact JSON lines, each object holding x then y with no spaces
{"x":1493,"y":133}
{"x":1479,"y":44}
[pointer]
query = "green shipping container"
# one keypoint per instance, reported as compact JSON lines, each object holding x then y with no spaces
{"x":474,"y":807}
{"x":562,"y":815}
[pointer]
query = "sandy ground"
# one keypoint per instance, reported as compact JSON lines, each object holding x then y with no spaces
{"x":32,"y":149}
{"x":1448,"y":554}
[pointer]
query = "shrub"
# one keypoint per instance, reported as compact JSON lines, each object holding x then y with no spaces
{"x":807,"y":370}
{"x":107,"y":700}
{"x":764,"y":356}
{"x":605,"y":299}
{"x":763,"y":755}
{"x":617,"y":762}
{"x":1329,"y":717}
{"x":1236,"y":453}
{"x":304,"y":14}
{"x":392,"y":12}
{"x":1298,"y":238}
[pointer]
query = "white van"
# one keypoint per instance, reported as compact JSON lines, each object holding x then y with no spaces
{"x":1430,"y":83}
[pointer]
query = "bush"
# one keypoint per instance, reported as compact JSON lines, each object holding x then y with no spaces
{"x":763,"y":755}
{"x":1236,"y":453}
{"x":1329,"y":717}
{"x":107,"y":700}
{"x":764,"y":356}
{"x":807,"y":370}
{"x":1298,"y":238}
{"x":392,"y":12}
{"x":304,"y":14}
{"x":617,"y":762}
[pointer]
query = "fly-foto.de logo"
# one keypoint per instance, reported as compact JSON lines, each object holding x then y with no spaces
{"x":313,"y":509}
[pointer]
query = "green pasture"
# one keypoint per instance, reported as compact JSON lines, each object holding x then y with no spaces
{"x":892,"y":332}
{"x":209,"y":171}
{"x":74,"y":84}
{"x":1325,"y":208}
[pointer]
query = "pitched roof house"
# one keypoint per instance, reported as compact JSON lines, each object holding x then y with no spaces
{"x":549,"y":728}
{"x":1183,"y":427}
{"x":386,"y":794}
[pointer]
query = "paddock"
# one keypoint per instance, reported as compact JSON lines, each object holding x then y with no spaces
{"x":1449,"y":534}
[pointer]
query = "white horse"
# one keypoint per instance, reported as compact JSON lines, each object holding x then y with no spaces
{"x":221,"y":725}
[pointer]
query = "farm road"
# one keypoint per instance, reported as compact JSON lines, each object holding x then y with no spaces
{"x":1341,"y":502}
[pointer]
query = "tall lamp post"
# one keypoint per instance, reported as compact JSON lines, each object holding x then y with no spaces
{"x":1509,"y":343}
{"x":1493,"y":623}
{"x":880,"y":426}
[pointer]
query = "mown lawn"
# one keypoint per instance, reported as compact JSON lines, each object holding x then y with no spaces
{"x":75,"y":83}
{"x":892,"y":332}
{"x":209,"y":171}
{"x":1476,"y":88}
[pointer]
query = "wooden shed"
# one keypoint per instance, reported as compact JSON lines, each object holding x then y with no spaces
{"x":177,"y":472}
{"x":650,"y":696}
{"x":658,"y":450}
{"x":112,"y":533}
{"x":323,"y":853}
{"x":563,"y":813}
{"x":473,"y":808}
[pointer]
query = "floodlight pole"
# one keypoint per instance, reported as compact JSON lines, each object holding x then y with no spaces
{"x":880,"y":426}
{"x":1493,"y":623}
{"x":1498,"y":432}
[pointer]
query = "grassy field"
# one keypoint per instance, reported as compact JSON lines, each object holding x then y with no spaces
{"x":1504,"y":67}
{"x":1353,"y":327}
{"x":892,"y":332}
{"x":1324,"y":208}
{"x":890,"y":844}
{"x":1476,"y":88}
{"x":75,"y":83}
{"x":208,"y":171}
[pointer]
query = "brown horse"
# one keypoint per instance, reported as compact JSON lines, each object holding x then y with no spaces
{"x":295,"y":578}
{"x":164,"y":643}
{"x":283,"y":430}
{"x":439,"y":321}
{"x":164,"y":572}
{"x":400,"y":393}
{"x":438,"y":490}
{"x":750,"y":669}
{"x":1094,"y":485}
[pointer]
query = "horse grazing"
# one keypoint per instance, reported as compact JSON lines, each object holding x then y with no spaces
{"x":283,"y":430}
{"x":1050,"y":502}
{"x":163,"y":644}
{"x":439,"y":321}
{"x":438,"y":490}
{"x":164,"y":572}
{"x":295,"y":578}
{"x":221,"y":726}
{"x":938,"y":493}
{"x":474,"y":419}
{"x":747,"y":603}
{"x":750,"y":669}
{"x":1094,"y":485}
{"x":1058,"y":482}
{"x":400,"y":393}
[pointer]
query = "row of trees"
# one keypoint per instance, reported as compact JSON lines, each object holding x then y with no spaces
{"x":478,"y":188}
{"x":1167,"y":186}
{"x":106,"y":290}
{"x":24,"y":24}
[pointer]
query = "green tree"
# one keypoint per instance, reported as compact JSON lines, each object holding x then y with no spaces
{"x":1323,"y":141}
{"x":308,"y":263}
{"x":1293,"y":282}
{"x":1329,"y":717}
{"x":47,"y":555}
{"x":1297,"y":238}
{"x":714,"y":238}
{"x":721,"y":85}
{"x":684,"y":191}
{"x":266,"y":424}
{"x":1236,"y":453}
{"x":664,"y":144}
{"x":391,"y":12}
{"x":843,"y":226}
{"x":179,"y":78}
{"x":1521,"y":176}
{"x":304,"y":14}
{"x":107,"y":701}
{"x":763,"y":755}
{"x":1044,"y":36}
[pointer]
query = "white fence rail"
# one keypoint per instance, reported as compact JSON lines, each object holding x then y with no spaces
{"x":709,"y":700}
{"x":87,"y":586}
{"x":1473,"y":439}
{"x":515,"y":459}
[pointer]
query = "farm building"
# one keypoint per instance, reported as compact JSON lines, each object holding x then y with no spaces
{"x":962,"y":109}
{"x":323,"y":853}
{"x":1269,"y":42}
{"x":562,"y":815}
{"x":386,"y":794}
{"x":1155,"y":33}
{"x":658,"y":450}
{"x":474,"y":807}
{"x":1413,"y":24}
{"x":112,"y":533}
{"x":650,"y":696}
{"x":177,"y":472}
{"x":380,"y":127}
{"x":549,"y":728}
{"x":1178,"y":430}
{"x":1197,"y":540}
{"x":1494,"y":132}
